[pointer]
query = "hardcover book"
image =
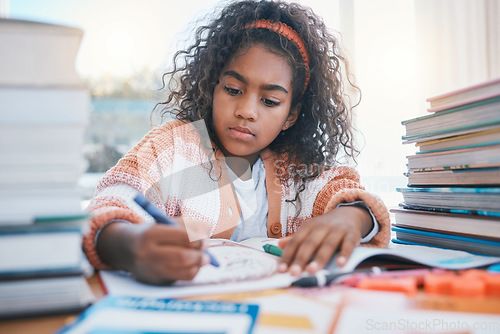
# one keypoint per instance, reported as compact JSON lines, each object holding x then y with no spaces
{"x":456,"y":177}
{"x":466,"y":95}
{"x":469,"y":116}
{"x":464,"y":243}
{"x":477,"y":157}
{"x":474,"y":225}
{"x":468,"y":140}
{"x":459,"y":198}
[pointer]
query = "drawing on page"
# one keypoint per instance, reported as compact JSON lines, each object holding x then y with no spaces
{"x":237,"y":263}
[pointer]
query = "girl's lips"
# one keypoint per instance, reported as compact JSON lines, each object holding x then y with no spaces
{"x":240,"y":132}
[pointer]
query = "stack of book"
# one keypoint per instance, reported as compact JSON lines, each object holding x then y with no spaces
{"x":43,"y":116}
{"x":453,"y":194}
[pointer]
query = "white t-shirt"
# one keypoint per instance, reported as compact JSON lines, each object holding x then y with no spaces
{"x":252,"y":196}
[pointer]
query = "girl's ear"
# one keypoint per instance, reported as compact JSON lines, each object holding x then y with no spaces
{"x":292,"y":117}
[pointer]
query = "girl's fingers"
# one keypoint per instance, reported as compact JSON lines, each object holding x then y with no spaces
{"x":307,"y":250}
{"x":282,"y":242}
{"x":180,"y":257}
{"x":298,"y":250}
{"x":167,"y":275}
{"x":351,"y":240}
{"x":306,"y":244}
{"x":172,"y":262}
{"x":290,"y":250}
{"x":162,"y":256}
{"x":165,"y":253}
{"x":325,"y":252}
{"x":312,"y":248}
{"x":188,"y":273}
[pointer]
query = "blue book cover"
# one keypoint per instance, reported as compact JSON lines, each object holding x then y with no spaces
{"x":445,"y":210}
{"x":449,"y":241}
{"x":454,"y":190}
{"x":122,"y":314}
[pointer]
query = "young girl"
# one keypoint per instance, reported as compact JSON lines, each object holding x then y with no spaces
{"x":261,"y":118}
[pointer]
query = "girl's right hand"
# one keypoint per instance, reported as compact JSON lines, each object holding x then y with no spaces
{"x":156,"y":254}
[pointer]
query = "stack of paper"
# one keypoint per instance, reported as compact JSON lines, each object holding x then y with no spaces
{"x":453,"y":194}
{"x":43,"y":115}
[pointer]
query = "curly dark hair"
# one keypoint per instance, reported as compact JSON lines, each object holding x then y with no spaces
{"x":324,"y":125}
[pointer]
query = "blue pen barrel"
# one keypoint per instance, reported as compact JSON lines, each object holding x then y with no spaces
{"x":153,"y":210}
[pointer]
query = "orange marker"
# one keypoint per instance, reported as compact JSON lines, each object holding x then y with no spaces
{"x":439,"y":282}
{"x":407,"y":285}
{"x":468,"y":287}
{"x":492,"y":284}
{"x":491,"y":280}
{"x":473,"y":273}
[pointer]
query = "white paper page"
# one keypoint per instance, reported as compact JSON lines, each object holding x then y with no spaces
{"x":237,"y":263}
{"x":39,"y":251}
{"x":258,"y":243}
{"x":429,"y":256}
{"x":120,"y":283}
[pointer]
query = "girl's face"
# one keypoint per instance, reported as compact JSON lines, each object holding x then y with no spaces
{"x":252,"y":102}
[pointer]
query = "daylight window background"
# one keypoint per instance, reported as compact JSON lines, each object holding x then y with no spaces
{"x":401,"y":52}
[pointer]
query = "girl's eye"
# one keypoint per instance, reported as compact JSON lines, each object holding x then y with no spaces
{"x":232,"y":91}
{"x":270,"y":103}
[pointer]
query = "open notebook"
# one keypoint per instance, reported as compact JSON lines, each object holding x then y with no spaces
{"x":243,"y":267}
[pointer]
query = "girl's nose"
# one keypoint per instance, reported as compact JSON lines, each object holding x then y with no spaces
{"x":247,"y":109}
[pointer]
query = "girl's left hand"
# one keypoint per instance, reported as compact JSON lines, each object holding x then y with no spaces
{"x":312,"y":246}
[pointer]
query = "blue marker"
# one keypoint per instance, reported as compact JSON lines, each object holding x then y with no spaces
{"x":163,"y":219}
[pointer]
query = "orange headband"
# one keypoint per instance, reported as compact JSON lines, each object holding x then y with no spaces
{"x":291,"y":35}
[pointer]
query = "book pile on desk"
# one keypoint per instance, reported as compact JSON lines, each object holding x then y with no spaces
{"x":43,"y":114}
{"x":453,"y":194}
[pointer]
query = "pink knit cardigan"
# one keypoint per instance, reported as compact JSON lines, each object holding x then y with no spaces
{"x":172,"y":168}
